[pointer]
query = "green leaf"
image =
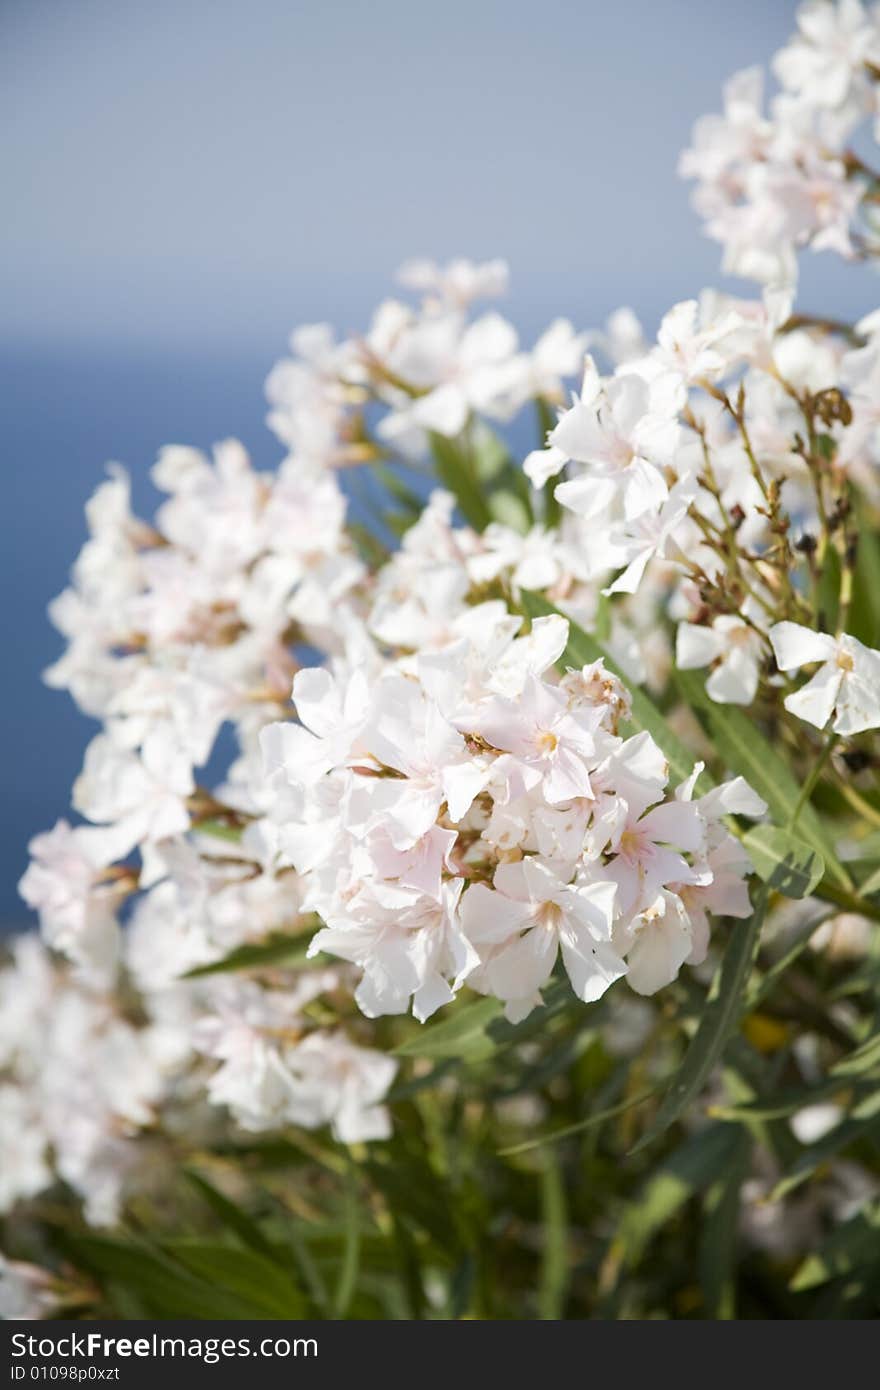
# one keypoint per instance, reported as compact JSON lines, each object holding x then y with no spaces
{"x":491,"y":456}
{"x":463,"y":1036}
{"x":745,"y":751}
{"x":864,"y":614}
{"x":410,"y":502}
{"x":407,"y":1251}
{"x":554,"y":1264}
{"x":510,"y":510}
{"x":718,"y":1243}
{"x":414,"y":1192}
{"x":461,"y":1286}
{"x":242,"y":1273}
{"x":691,"y":1168}
{"x":784,"y":1103}
{"x":456,"y":470}
{"x":749,"y":1077}
{"x":580,"y":651}
{"x":829,"y":590}
{"x":370,"y":548}
{"x":546,"y":414}
{"x":853,"y":1245}
{"x":579,"y":1127}
{"x":163,"y":1285}
{"x":870,"y":885}
{"x":231,"y":1216}
{"x":534,"y":1073}
{"x":278,"y":949}
{"x":783,"y":861}
{"x":797,"y":943}
{"x":475,"y":1031}
{"x":351,"y":1251}
{"x":309,"y":1274}
{"x":717,"y":1022}
{"x":864,"y":1059}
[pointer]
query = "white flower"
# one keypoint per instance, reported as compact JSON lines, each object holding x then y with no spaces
{"x":724,"y":862}
{"x":311,"y":394}
{"x":408,"y":734}
{"x":656,"y":943}
{"x":734,"y":650}
{"x":457,"y":283}
{"x":636,"y":541}
{"x":845,"y":689}
{"x":828,"y":54}
{"x":602,"y":689}
{"x":409,"y":945}
{"x":139,"y":800}
{"x":77,"y":904}
{"x":722,"y":143}
{"x":647,"y":850}
{"x":332,"y":712}
{"x":487,"y":658}
{"x":623,"y":338}
{"x":275,"y":1073}
{"x":347,"y":1083}
{"x":624,"y":438}
{"x":24,"y":1143}
{"x":250,"y":1031}
{"x":549,"y":742}
{"x":557,"y":356}
{"x":520,"y":926}
{"x":449,"y":369}
{"x":692,"y":346}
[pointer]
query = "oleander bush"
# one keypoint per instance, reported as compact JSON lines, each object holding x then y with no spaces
{"x":471,"y":906}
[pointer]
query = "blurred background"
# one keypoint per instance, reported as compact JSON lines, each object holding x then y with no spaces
{"x":186,"y":180}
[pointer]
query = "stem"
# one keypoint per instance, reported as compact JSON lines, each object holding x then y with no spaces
{"x":546,"y":423}
{"x":807,"y":789}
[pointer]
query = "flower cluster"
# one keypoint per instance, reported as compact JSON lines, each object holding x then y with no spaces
{"x":94,"y":1086}
{"x":721,"y":462}
{"x":429,"y":369}
{"x":426,"y":791}
{"x":769,"y":184}
{"x":456,"y":815}
{"x":77,"y":1082}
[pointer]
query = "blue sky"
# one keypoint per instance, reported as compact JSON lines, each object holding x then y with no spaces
{"x":186,"y":181}
{"x":204,"y":172}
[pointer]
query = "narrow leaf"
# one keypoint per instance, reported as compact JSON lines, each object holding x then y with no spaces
{"x":718,"y":1245}
{"x":864,"y":614}
{"x":864,"y":1059}
{"x":851,"y":1246}
{"x":279,"y":949}
{"x":718,"y":1021}
{"x":456,"y":470}
{"x":475,"y":1031}
{"x":690,"y":1169}
{"x":351,"y":1251}
{"x":257,"y":1281}
{"x":463,"y":1036}
{"x":783,"y":861}
{"x":231,"y":1216}
{"x":554,"y":1264}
